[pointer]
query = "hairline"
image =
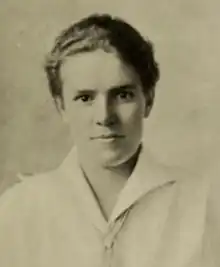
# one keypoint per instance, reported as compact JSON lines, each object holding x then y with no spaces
{"x":92,"y":42}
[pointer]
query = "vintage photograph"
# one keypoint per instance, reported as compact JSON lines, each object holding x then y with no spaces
{"x":109,"y":134}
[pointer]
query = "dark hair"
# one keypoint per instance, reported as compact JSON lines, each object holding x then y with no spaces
{"x":103,"y":31}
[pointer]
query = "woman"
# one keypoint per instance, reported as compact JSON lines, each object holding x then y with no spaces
{"x":109,"y":203}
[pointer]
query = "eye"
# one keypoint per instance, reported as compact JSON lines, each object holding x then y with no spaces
{"x":125,"y":95}
{"x":84,"y":98}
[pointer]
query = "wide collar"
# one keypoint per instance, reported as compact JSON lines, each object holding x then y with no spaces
{"x":147,"y":175}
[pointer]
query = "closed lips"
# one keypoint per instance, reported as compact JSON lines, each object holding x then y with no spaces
{"x":108,"y":136}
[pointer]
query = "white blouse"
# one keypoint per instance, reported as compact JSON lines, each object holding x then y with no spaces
{"x":161,"y":219}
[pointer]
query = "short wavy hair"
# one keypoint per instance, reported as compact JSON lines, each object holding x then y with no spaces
{"x":108,"y":33}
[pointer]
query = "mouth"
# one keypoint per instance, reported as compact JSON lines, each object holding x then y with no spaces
{"x":107,"y":137}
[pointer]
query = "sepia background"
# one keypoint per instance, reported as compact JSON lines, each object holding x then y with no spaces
{"x":184,"y":126}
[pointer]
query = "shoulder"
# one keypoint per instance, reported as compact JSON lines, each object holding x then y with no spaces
{"x":38,"y":190}
{"x":27,"y":191}
{"x":24,"y":208}
{"x":178,"y":173}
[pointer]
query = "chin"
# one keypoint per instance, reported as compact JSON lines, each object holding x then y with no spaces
{"x":114,"y":159}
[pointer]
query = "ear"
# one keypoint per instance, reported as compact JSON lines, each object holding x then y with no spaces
{"x":149,"y":98}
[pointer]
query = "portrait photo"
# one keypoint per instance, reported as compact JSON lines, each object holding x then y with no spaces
{"x":109,"y":134}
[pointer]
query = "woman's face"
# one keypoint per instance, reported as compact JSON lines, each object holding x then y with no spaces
{"x":104,"y":105}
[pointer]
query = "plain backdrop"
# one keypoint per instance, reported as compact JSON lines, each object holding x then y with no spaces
{"x":183,"y":128}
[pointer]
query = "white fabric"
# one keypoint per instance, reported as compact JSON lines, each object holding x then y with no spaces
{"x":161,"y":219}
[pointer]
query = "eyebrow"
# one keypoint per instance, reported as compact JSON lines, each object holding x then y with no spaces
{"x":114,"y":89}
{"x":128,"y":86}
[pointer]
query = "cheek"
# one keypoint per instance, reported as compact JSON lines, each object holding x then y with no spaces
{"x":79,"y":121}
{"x":132,"y":115}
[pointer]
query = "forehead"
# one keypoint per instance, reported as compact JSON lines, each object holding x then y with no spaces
{"x":98,"y":69}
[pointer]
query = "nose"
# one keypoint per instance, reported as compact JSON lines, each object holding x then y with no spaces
{"x":104,"y":112}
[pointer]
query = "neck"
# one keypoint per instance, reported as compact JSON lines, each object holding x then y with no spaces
{"x":106,"y":183}
{"x":94,"y":170}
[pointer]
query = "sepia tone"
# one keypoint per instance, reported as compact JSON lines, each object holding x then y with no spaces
{"x":183,"y":129}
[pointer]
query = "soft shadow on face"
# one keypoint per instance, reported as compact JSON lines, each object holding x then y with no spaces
{"x":105,"y":106}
